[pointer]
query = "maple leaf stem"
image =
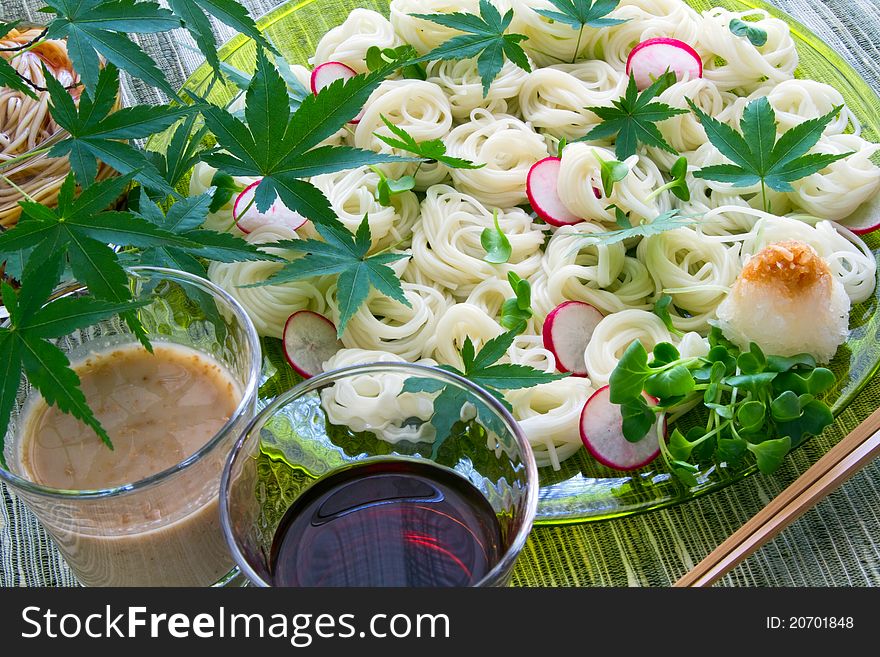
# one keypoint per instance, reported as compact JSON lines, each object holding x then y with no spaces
{"x":577,"y":47}
{"x":388,"y":249}
{"x":764,"y":195}
{"x":547,"y":54}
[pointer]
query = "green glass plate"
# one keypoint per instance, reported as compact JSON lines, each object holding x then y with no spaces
{"x":585,"y":490}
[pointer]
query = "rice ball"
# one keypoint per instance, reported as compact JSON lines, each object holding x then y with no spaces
{"x":787,"y":301}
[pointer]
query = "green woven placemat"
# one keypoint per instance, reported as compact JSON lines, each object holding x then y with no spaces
{"x":836,"y":544}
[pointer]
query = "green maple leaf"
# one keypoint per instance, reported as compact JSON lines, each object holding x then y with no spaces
{"x":9,"y":77}
{"x":346,"y":255}
{"x":484,"y":38}
{"x":583,"y":13}
{"x":479,"y":368}
{"x":296,"y":92}
{"x":99,"y":28}
{"x":194,"y":14}
{"x":183,"y":153}
{"x":482,"y":370}
{"x":25,"y":342}
{"x":81,"y":228}
{"x":580,"y":14}
{"x":433,"y":149}
{"x":99,"y":133}
{"x":632,"y":118}
{"x":185,"y":218}
{"x":282,"y":147}
{"x":758,"y":156}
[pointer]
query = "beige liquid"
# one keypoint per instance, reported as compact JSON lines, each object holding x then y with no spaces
{"x":159,"y":409}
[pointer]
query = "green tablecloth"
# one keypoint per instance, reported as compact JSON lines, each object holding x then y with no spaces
{"x":836,"y":544}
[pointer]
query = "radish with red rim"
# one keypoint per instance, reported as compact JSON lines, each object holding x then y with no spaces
{"x":541,"y":188}
{"x":602,"y":433}
{"x":862,"y":223}
{"x":328,"y":73}
{"x":652,"y":58}
{"x":248,"y":218}
{"x":309,"y":341}
{"x":567,"y":331}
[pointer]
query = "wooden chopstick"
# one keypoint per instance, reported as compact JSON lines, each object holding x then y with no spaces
{"x":842,"y":461}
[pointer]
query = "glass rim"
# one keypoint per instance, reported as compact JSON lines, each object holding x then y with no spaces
{"x":250,"y":390}
{"x":311,"y":384}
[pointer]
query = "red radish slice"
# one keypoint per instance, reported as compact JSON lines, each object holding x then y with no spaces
{"x":543,"y":194}
{"x":309,"y":341}
{"x":602,"y":433}
{"x":567,"y":330}
{"x":278,"y":213}
{"x":325,"y":74}
{"x":867,"y":223}
{"x":652,"y":58}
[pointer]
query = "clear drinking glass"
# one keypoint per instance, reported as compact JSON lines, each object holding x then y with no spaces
{"x":363,"y":414}
{"x":163,"y":530}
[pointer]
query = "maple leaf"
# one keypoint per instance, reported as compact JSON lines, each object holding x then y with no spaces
{"x":25,"y":343}
{"x":580,"y":14}
{"x":194,"y":14}
{"x":99,"y":133}
{"x":282,"y":147}
{"x":185,"y":218}
{"x":631,"y":118}
{"x":484,"y":38}
{"x":99,"y":28}
{"x":346,"y":255}
{"x":81,"y":228}
{"x":479,"y":368}
{"x":758,"y":156}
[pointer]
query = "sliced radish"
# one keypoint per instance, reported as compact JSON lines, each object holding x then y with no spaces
{"x":567,"y":330}
{"x":309,"y":341}
{"x":652,"y":58}
{"x":863,"y":221}
{"x":544,"y":196}
{"x":602,"y":433}
{"x":326,"y":74}
{"x":862,"y":230}
{"x":248,"y":218}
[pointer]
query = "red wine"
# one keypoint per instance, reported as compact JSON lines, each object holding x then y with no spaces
{"x":388,"y":523}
